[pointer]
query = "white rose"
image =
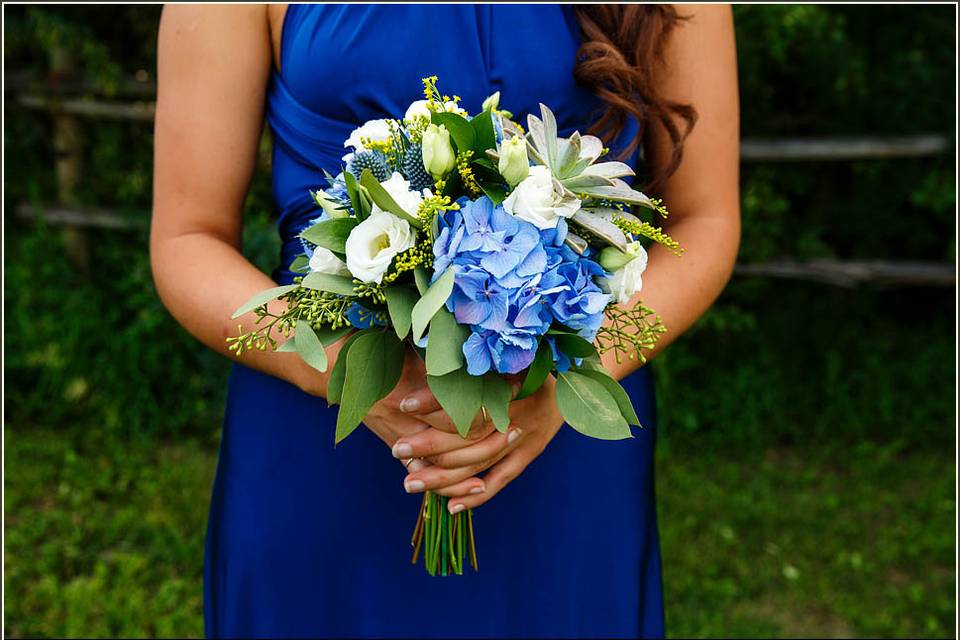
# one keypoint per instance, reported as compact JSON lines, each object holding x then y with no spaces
{"x":535,"y":200}
{"x":373,"y":243}
{"x":375,"y":130}
{"x":399,"y":190}
{"x":326,"y":261}
{"x":627,"y":281}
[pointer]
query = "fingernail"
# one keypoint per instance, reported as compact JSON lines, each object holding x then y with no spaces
{"x":413,"y":485}
{"x":408,"y":405}
{"x":457,"y":508}
{"x":416,"y":465}
{"x":513,"y":435}
{"x":477,"y":490}
{"x":402,"y":450}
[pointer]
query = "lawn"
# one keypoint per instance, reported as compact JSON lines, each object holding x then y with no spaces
{"x":105,"y":539}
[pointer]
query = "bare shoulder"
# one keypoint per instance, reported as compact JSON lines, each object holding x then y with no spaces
{"x":213,"y":24}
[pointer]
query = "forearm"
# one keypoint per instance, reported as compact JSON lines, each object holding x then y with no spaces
{"x":202,"y":279}
{"x":681,"y":289}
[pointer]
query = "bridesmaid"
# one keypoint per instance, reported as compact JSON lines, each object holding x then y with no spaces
{"x":305,"y":541}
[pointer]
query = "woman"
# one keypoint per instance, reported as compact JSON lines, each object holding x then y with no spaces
{"x":307,"y":541}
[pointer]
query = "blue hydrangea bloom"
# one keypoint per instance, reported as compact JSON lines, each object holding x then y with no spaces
{"x":512,"y":282}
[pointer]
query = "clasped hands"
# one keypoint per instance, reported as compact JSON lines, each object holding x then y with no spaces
{"x":422,"y":436}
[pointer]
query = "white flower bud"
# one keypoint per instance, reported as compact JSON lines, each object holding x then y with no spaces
{"x":438,"y":155}
{"x":514,"y":165}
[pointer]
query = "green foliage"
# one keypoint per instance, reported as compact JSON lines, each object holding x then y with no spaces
{"x":588,"y":407}
{"x":374,"y":363}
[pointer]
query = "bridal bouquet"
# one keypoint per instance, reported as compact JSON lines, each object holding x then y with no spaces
{"x":487,"y":249}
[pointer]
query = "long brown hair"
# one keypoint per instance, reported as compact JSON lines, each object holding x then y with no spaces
{"x":619,"y":59}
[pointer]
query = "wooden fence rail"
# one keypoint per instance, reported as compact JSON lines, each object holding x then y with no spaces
{"x":59,"y":99}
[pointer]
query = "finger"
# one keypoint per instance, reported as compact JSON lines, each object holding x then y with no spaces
{"x":486,"y":449}
{"x":426,"y":443}
{"x":435,"y":477}
{"x":470,"y":487}
{"x":420,"y":402}
{"x":480,"y":428}
{"x":499,"y":476}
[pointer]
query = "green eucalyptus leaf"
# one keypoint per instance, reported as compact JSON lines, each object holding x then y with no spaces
{"x":353,"y":190}
{"x":300,"y":264}
{"x":494,"y":191}
{"x":330,"y":234}
{"x":435,"y":297}
{"x":617,"y":391}
{"x":538,"y":371}
{"x":588,"y":407}
{"x":422,"y":279}
{"x":340,"y":285}
{"x":374,"y":364}
{"x":574,"y":346}
{"x":459,"y":127}
{"x":445,"y":346}
{"x":460,"y":394}
{"x":263,"y":298}
{"x":335,"y":381}
{"x":309,"y":346}
{"x":384,"y":200}
{"x":289,"y":346}
{"x":400,"y":302}
{"x":497,"y":394}
{"x":485,"y":137}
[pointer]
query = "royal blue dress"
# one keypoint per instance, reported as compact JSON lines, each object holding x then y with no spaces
{"x":305,"y":540}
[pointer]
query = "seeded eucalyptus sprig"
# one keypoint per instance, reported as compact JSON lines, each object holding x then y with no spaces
{"x":320,"y":309}
{"x":630,"y":332}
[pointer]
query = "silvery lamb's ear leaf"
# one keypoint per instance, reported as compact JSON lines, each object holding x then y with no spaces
{"x":621,"y":192}
{"x":534,"y":154}
{"x":550,"y":135}
{"x":601,"y":228}
{"x":608,"y":170}
{"x":568,"y":152}
{"x":591,"y":147}
{"x":576,"y":183}
{"x":576,"y":243}
{"x":537,"y":137}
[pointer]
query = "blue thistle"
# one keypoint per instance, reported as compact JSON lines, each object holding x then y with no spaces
{"x":412,"y":168}
{"x":373,"y":160}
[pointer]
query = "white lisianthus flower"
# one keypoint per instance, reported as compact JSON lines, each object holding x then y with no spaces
{"x":536,"y":201}
{"x":399,"y":190}
{"x":514,"y":165}
{"x":626,"y":281}
{"x":416,"y":109}
{"x":374,"y":130}
{"x":326,"y":261}
{"x":372,"y":245}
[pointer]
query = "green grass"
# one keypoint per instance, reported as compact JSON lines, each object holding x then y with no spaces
{"x":105,"y":538}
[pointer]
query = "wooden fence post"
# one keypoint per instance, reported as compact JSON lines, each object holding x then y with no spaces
{"x":68,"y":147}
